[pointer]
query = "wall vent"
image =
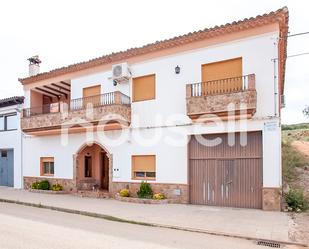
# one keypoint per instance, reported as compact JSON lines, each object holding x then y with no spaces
{"x":268,"y":243}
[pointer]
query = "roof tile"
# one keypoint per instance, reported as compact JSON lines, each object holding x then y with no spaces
{"x":280,"y":16}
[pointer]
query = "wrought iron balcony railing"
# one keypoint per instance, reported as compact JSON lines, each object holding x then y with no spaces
{"x":112,"y":98}
{"x":221,"y":86}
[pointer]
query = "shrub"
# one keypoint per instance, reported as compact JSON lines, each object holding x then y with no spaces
{"x":296,"y":200}
{"x":295,"y":127}
{"x":57,"y":187}
{"x":35,"y":185}
{"x":43,"y":185}
{"x":145,"y":191}
{"x":124,"y":192}
{"x":158,"y":196}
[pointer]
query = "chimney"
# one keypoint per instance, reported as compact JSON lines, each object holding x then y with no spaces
{"x":34,"y":65}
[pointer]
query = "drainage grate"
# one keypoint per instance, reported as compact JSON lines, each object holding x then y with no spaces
{"x":268,"y":243}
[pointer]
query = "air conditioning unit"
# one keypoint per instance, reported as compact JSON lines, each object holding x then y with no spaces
{"x":121,"y":73}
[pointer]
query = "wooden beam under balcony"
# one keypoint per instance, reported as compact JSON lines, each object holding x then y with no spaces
{"x":57,"y":91}
{"x":65,"y":83}
{"x":47,"y":92}
{"x":61,"y":87}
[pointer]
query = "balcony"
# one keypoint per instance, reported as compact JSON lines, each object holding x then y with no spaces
{"x":110,"y":110}
{"x":223,"y":97}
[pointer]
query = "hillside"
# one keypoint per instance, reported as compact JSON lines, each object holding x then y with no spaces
{"x":295,"y":156}
{"x":295,"y":167}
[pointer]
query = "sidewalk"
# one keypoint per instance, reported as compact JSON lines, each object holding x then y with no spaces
{"x":245,"y":223}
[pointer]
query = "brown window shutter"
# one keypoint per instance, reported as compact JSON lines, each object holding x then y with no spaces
{"x":223,"y":70}
{"x":144,"y":88}
{"x":92,"y":94}
{"x":143,"y":163}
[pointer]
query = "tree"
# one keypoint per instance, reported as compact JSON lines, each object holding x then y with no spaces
{"x":306,"y":111}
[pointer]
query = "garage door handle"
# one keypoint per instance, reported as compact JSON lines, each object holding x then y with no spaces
{"x":204,"y":191}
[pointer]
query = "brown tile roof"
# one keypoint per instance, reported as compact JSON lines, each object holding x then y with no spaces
{"x":280,"y":16}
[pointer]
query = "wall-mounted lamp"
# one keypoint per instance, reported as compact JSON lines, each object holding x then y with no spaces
{"x":177,"y":69}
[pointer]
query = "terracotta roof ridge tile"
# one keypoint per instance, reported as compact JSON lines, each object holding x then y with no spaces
{"x":259,"y":20}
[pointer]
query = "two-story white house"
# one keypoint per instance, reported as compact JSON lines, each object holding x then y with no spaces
{"x":10,"y":142}
{"x":197,"y":116}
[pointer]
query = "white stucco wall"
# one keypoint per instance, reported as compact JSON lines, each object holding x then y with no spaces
{"x":13,"y":140}
{"x":170,"y":87}
{"x":171,"y":164}
{"x":257,"y":54}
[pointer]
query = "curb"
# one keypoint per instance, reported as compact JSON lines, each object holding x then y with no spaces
{"x":113,"y":218}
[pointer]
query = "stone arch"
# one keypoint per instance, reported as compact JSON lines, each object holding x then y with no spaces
{"x":77,"y":157}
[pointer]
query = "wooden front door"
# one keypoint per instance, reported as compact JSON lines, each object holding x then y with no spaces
{"x":104,"y":171}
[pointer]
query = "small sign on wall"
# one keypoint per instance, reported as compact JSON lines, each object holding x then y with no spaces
{"x":270,"y":126}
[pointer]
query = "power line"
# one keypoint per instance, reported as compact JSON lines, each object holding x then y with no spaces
{"x":295,"y":55}
{"x":292,"y":55}
{"x":297,"y":34}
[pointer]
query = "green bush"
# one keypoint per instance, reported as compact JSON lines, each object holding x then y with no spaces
{"x":35,"y":185}
{"x":296,"y":200}
{"x":295,"y":127}
{"x":57,"y":187}
{"x":145,"y":191}
{"x":124,"y":192}
{"x":44,"y":185}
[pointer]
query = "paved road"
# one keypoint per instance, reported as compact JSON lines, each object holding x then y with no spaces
{"x":30,"y":228}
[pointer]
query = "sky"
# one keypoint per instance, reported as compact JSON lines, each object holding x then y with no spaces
{"x":65,"y":32}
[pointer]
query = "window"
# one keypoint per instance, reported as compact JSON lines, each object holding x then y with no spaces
{"x":8,"y":122}
{"x":88,"y":166}
{"x":2,"y":123}
{"x":4,"y":153}
{"x":144,"y":167}
{"x":144,"y":88}
{"x":11,"y":122}
{"x":47,"y":166}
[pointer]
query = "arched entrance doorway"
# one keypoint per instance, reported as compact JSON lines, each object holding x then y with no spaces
{"x":93,"y":168}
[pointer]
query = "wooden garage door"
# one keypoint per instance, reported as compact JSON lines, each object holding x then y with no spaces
{"x":225,"y":175}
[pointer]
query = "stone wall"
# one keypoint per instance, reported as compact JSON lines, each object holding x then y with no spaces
{"x":213,"y":104}
{"x":177,"y":193}
{"x":271,"y":199}
{"x":115,"y":112}
{"x":67,"y":184}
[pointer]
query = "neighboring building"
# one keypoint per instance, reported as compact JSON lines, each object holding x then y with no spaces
{"x":10,"y":142}
{"x":148,"y":97}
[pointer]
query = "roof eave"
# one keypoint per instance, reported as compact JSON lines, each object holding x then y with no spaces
{"x":280,"y":16}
